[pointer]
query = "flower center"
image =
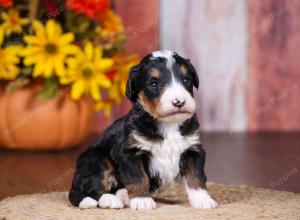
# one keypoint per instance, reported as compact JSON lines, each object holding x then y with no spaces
{"x":87,"y":72}
{"x":50,"y":48}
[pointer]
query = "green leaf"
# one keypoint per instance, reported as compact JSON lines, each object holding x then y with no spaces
{"x":26,"y":70}
{"x":50,"y":89}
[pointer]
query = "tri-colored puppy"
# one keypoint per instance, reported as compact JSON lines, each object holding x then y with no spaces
{"x":152,"y":146}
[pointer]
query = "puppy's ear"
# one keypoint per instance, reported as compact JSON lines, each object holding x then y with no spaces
{"x":194,"y":74}
{"x":131,"y":90}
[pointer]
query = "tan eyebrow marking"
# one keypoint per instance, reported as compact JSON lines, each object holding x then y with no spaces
{"x":183,"y":70}
{"x":155,"y":73}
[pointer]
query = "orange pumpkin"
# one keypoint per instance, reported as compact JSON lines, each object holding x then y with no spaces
{"x":29,"y":123}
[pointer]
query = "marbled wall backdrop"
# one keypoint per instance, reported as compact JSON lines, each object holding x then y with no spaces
{"x":213,"y":34}
{"x":274,"y":65}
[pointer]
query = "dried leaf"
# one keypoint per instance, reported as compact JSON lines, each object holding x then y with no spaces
{"x":16,"y":84}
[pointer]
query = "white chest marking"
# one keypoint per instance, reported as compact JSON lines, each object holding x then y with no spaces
{"x":166,"y":154}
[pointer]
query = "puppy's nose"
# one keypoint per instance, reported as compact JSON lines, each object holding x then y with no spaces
{"x":178,"y":103}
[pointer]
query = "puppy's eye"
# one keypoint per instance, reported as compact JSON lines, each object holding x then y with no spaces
{"x":187,"y":81}
{"x":154,"y":83}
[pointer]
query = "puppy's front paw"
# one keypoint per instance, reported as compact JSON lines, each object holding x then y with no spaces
{"x":88,"y":203}
{"x":123,"y":195}
{"x":203,"y":203}
{"x":200,"y":199}
{"x":110,"y":201}
{"x":142,"y":203}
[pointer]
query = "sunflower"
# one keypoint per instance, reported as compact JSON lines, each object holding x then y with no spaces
{"x":86,"y":72}
{"x":12,"y":22}
{"x":48,"y":49}
{"x":8,"y":60}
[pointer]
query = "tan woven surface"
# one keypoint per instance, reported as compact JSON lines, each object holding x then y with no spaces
{"x":236,"y":202}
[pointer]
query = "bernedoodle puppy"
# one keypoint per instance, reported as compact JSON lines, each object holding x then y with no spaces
{"x":152,"y":146}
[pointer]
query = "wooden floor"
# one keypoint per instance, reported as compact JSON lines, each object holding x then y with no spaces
{"x":268,"y":160}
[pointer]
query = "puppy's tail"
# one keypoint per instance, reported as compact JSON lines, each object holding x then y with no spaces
{"x":76,"y":197}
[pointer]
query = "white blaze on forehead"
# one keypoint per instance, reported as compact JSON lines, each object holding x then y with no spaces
{"x":168,"y":54}
{"x":163,"y":53}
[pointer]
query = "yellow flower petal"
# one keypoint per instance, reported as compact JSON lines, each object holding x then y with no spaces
{"x":123,"y":87}
{"x":39,"y":29}
{"x":70,"y":49}
{"x":10,"y":57}
{"x":72,"y":62}
{"x":95,"y":91}
{"x":105,"y":106}
{"x":59,"y":67}
{"x":103,"y":80}
{"x":65,"y":80}
{"x":66,"y":38}
{"x":88,"y":50}
{"x":50,"y":28}
{"x":77,"y":89}
{"x":48,"y":67}
{"x":114,"y":92}
{"x":29,"y":39}
{"x":58,"y":30}
{"x":98,"y":53}
{"x":105,"y":64}
{"x":31,"y":60}
{"x":38,"y":70}
{"x":31,"y":51}
{"x":1,"y":35}
{"x":14,"y":49}
{"x":9,"y":71}
{"x":107,"y":110}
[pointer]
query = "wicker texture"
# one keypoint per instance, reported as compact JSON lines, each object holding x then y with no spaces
{"x":236,"y":202}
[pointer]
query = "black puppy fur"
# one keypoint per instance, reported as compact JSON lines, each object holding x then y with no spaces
{"x":114,"y":162}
